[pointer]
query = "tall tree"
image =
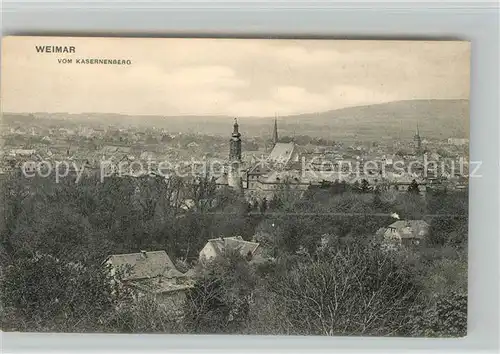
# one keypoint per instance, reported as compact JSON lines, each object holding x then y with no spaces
{"x":365,"y":186}
{"x":413,"y":188}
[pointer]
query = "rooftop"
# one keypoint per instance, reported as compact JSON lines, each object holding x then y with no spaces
{"x":410,"y":228}
{"x":236,"y":243}
{"x":145,"y":265}
{"x":282,"y":152}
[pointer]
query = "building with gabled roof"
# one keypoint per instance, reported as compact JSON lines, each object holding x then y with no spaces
{"x":143,"y":265}
{"x":152,"y":274}
{"x":255,"y":173}
{"x":405,"y":232}
{"x":218,"y":246}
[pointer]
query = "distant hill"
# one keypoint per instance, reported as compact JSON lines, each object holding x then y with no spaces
{"x":435,"y":118}
{"x":10,"y":118}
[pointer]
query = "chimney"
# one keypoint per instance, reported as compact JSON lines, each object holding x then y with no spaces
{"x":395,"y":216}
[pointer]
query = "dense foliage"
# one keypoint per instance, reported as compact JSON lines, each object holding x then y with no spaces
{"x":326,"y":273}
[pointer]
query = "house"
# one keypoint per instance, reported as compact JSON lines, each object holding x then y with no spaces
{"x":217,"y":246}
{"x":152,"y":273}
{"x":222,"y":181}
{"x":405,"y":232}
{"x":22,"y":152}
{"x":255,"y":173}
{"x":143,"y":265}
{"x":458,"y":141}
{"x":284,"y":180}
{"x":115,"y":152}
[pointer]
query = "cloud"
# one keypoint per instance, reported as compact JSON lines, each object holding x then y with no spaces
{"x":189,"y":89}
{"x":206,"y":76}
{"x":231,"y":77}
{"x":299,"y":56}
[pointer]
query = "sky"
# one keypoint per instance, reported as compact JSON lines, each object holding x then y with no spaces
{"x":235,"y":77}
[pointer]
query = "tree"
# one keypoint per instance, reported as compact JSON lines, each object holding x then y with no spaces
{"x":15,"y":197}
{"x":275,"y":202}
{"x":44,"y":293}
{"x":365,"y":186}
{"x":263,"y":205}
{"x":447,"y":317}
{"x":144,"y":315}
{"x":413,"y":188}
{"x":325,"y":184}
{"x":452,"y":227}
{"x":377,"y":200}
{"x":285,"y":196}
{"x":400,"y":153}
{"x":166,"y":138}
{"x":219,"y":300}
{"x":355,"y":290}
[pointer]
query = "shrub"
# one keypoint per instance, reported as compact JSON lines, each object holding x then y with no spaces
{"x":446,"y":318}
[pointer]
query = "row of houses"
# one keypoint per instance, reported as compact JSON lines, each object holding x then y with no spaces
{"x":287,"y":165}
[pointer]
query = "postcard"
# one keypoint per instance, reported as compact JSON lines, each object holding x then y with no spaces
{"x":235,"y":186}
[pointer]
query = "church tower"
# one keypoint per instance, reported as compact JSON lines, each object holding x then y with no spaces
{"x":418,"y":142}
{"x":234,"y":168}
{"x":275,"y":131}
{"x":235,"y":144}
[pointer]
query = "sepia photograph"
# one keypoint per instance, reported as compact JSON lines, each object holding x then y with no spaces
{"x":234,"y":186}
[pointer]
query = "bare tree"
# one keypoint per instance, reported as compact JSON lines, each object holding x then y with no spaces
{"x":353,"y":291}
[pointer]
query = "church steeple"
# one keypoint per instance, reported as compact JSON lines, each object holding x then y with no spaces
{"x":234,"y":179}
{"x":418,"y":141}
{"x":275,"y":131}
{"x":235,"y":143}
{"x":236,"y":133}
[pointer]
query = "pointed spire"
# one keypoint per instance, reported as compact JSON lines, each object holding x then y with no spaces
{"x":275,"y":130}
{"x":418,"y":140}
